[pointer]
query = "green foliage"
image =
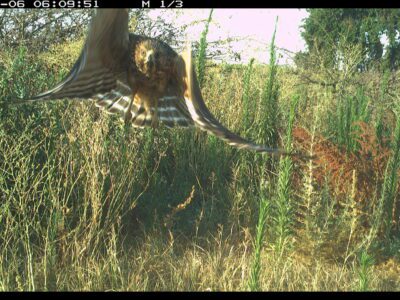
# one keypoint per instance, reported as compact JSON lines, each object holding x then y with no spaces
{"x":390,"y":186}
{"x":254,"y":279}
{"x":246,"y":99}
{"x":61,"y":26}
{"x":85,"y":200}
{"x":267,"y":122}
{"x":344,"y":123}
{"x":324,"y":29}
{"x":18,"y":71}
{"x":283,"y":202}
{"x":382,"y":131}
{"x":364,"y":273}
{"x":201,"y":56}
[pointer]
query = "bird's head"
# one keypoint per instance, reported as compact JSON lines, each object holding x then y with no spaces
{"x":147,"y":58}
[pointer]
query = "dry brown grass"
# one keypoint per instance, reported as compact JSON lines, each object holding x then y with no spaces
{"x":84,"y":201}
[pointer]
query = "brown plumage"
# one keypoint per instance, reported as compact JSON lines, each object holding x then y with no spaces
{"x":141,"y":79}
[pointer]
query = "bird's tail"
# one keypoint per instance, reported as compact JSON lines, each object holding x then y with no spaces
{"x":168,"y":112}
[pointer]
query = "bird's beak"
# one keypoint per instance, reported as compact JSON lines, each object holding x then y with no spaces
{"x":150,"y":59}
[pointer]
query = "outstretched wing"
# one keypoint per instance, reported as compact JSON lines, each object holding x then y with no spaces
{"x":204,"y":119}
{"x":102,"y":67}
{"x":183,"y":105}
{"x":171,"y":109}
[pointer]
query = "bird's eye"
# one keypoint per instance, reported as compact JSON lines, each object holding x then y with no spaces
{"x":143,"y":52}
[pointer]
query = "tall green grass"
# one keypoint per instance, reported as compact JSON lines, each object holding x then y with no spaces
{"x":267,"y":127}
{"x":89,"y":204}
{"x":284,"y":217}
{"x":200,"y":61}
{"x":350,"y":110}
{"x":267,"y":119}
{"x":247,"y":103}
{"x":364,"y":272}
{"x":389,"y":213}
{"x":261,"y":230}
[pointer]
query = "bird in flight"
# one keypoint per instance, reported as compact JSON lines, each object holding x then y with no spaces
{"x":141,"y":79}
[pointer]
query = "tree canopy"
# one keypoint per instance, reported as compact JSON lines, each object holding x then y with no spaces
{"x":377,"y":31}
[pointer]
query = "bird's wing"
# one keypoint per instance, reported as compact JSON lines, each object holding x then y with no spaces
{"x":171,"y":111}
{"x":183,"y":105}
{"x":171,"y":108}
{"x":204,"y":119}
{"x":101,"y":68}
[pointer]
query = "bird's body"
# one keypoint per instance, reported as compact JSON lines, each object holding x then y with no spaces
{"x":151,"y":72}
{"x":141,"y":79}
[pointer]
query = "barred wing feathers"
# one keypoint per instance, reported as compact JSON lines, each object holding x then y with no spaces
{"x":101,"y":66}
{"x":204,"y":119}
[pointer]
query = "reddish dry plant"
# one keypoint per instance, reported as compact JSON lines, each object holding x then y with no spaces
{"x":359,"y":175}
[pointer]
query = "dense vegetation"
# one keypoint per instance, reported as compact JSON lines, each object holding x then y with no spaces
{"x":89,"y":204}
{"x":325,"y":29}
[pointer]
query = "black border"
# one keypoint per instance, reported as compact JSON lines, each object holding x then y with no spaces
{"x":255,"y":4}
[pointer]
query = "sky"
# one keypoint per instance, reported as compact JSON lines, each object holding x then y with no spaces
{"x":255,"y":26}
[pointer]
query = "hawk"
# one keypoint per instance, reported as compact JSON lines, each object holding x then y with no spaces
{"x":141,"y":79}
